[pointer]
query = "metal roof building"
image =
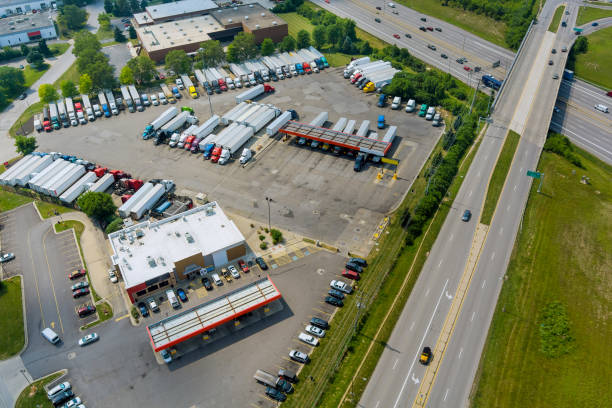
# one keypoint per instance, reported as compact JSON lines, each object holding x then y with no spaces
{"x":23,"y":29}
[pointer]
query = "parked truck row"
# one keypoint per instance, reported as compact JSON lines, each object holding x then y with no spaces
{"x":369,"y":76}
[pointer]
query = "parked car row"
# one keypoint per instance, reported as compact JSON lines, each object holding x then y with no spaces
{"x":62,"y":395}
{"x":428,"y":112}
{"x":79,"y":289}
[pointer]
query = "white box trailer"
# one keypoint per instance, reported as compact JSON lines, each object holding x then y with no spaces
{"x":147,"y":201}
{"x":136,"y":98}
{"x":281,"y":121}
{"x":65,"y":183}
{"x":340,"y":124}
{"x":30,"y":171}
{"x":175,"y":123}
{"x":318,"y":54}
{"x":370,"y":70}
{"x":250,"y":94}
{"x":127,"y":99}
{"x":254,"y":115}
{"x":248,"y":112}
{"x":112,"y":103}
{"x":234,"y":144}
{"x":350,"y":127}
{"x":262,"y":120}
{"x":124,"y":210}
{"x":319,"y":120}
{"x":16,"y":168}
{"x":207,"y":127}
{"x":103,"y":183}
{"x":186,"y":81}
{"x":78,"y":188}
{"x":162,"y":119}
{"x":390,"y":135}
{"x":227,"y":133}
{"x":88,"y":109}
{"x":50,"y":172}
{"x":228,"y":114}
{"x":235,"y":115}
{"x":200,"y":76}
{"x":43,"y":188}
{"x":363,"y":129}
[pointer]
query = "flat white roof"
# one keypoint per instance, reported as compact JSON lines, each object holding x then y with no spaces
{"x":178,"y":8}
{"x":180,"y":327}
{"x":169,"y":34}
{"x":148,"y":249}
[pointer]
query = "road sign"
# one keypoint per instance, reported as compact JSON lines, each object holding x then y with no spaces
{"x":389,"y":161}
{"x":534,"y":174}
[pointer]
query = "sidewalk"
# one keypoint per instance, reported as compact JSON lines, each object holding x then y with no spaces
{"x":12,"y":381}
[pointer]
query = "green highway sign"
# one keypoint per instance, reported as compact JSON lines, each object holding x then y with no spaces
{"x":534,"y":174}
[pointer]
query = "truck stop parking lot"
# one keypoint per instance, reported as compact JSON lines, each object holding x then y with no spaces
{"x":313,"y":192}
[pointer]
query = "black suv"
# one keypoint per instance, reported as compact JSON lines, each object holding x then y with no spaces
{"x":320,"y":323}
{"x":206,"y":283}
{"x":358,"y":261}
{"x":333,"y":301}
{"x":262,"y":264}
{"x":354,"y":267}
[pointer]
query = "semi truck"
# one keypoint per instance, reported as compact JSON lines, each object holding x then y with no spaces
{"x":88,"y":109}
{"x":200,"y":77}
{"x":71,"y":113}
{"x":15,"y":168}
{"x":161,"y":120}
{"x":350,"y":127}
{"x":61,"y":109}
{"x":169,"y":95}
{"x":262,"y":120}
{"x":207,"y":127}
{"x":62,"y":184}
{"x":250,"y":94}
{"x":149,"y":199}
{"x":124,"y":210}
{"x":78,"y":188}
{"x":229,"y":114}
{"x":319,"y":120}
{"x":54,"y":115}
{"x":61,"y":172}
{"x":127,"y":99}
{"x":234,"y":143}
{"x":354,"y":64}
{"x":176,"y":137}
{"x":104,"y":103}
{"x":25,"y":173}
{"x":111,"y":102}
{"x":136,"y":98}
{"x":44,"y":175}
{"x":189,"y":86}
{"x":176,"y":123}
{"x":491,"y":82}
{"x":340,"y":125}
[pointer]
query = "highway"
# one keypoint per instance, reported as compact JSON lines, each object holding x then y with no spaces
{"x":456,"y":43}
{"x":453,"y":300}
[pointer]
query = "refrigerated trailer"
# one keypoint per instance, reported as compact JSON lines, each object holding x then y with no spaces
{"x":228,"y":114}
{"x":126,"y":208}
{"x":31,"y":170}
{"x":233,"y":144}
{"x":70,"y":110}
{"x":45,"y":174}
{"x":161,"y":120}
{"x":390,"y":135}
{"x":136,"y":98}
{"x":319,"y":120}
{"x":229,"y":118}
{"x":103,"y":184}
{"x":111,"y":102}
{"x":15,"y":168}
{"x":79,"y":187}
{"x":64,"y":183}
{"x":262,"y":120}
{"x":147,"y":201}
{"x":104,"y":104}
{"x":363,"y":129}
{"x":207,"y":127}
{"x":127,"y":99}
{"x":281,"y":121}
{"x":61,"y":173}
{"x":88,"y":109}
{"x":350,"y":127}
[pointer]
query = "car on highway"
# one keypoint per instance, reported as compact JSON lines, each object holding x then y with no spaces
{"x":275,"y":394}
{"x":423,"y":19}
{"x":554,"y":51}
{"x":477,"y":69}
{"x":467,"y":68}
{"x":347,"y":273}
{"x":395,"y":12}
{"x":86,"y":310}
{"x":407,"y":35}
{"x":298,"y":356}
{"x":438,"y":29}
{"x":143,"y":309}
{"x":308,"y":339}
{"x":166,"y":356}
{"x":595,"y":24}
{"x":425,"y":357}
{"x":341,"y":286}
{"x":333,"y":301}
{"x":262,"y":264}
{"x":378,"y":8}
{"x":396,"y":36}
{"x":90,"y":338}
{"x":550,"y":62}
{"x":243,"y":266}
{"x":422,"y":28}
{"x":377,"y":20}
{"x":431,"y":47}
{"x":602,"y":108}
{"x":320,"y":323}
{"x":467,"y":214}
{"x":609,"y":93}
{"x":77,"y":274}
{"x":206,"y":283}
{"x":444,"y":56}
{"x":461,"y":60}
{"x":182,"y":295}
{"x":555,"y":76}
{"x":9,"y":256}
{"x":336,"y":293}
{"x":429,"y":28}
{"x":564,"y":49}
{"x":23,"y":96}
{"x":316,"y":331}
{"x":80,"y":292}
{"x":234,"y":271}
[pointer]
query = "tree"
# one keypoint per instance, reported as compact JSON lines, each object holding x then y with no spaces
{"x":115,"y":225}
{"x":12,"y":80}
{"x":36,"y":59}
{"x":134,"y":6}
{"x":96,"y":205}
{"x":178,"y":61}
{"x":143,"y":68}
{"x":348,"y":29}
{"x":85,"y":84}
{"x":104,"y":21}
{"x":119,"y":37}
{"x":210,"y":53}
{"x":109,"y":6}
{"x":581,"y":45}
{"x":25,"y":145}
{"x":319,"y":36}
{"x":68,"y":89}
{"x":44,"y":49}
{"x":122,"y":8}
{"x":347,"y":45}
{"x":244,"y":46}
{"x":267,"y":47}
{"x":303,"y":39}
{"x":24,"y":50}
{"x":47,"y":93}
{"x":132,"y":32}
{"x":334,"y":33}
{"x":84,"y":40}
{"x":72,"y":17}
{"x":287,"y":44}
{"x":126,"y":77}
{"x":96,"y":65}
{"x":366,"y":49}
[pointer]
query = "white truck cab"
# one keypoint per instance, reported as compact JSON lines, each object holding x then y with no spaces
{"x":246,"y":155}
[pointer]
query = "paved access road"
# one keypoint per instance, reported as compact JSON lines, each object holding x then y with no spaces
{"x":398,"y":380}
{"x":455,"y":43}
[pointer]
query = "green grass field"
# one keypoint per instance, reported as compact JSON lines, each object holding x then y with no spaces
{"x":31,"y":110}
{"x":563,"y":253}
{"x":588,"y":14}
{"x":9,"y":200}
{"x":554,"y":24}
{"x":12,"y":337}
{"x":72,"y":74}
{"x":592,"y":64}
{"x":59,"y":48}
{"x":32,"y":75}
{"x":482,"y":26}
{"x":34,"y":395}
{"x":498,"y":178}
{"x":47,"y":209}
{"x":105,"y":34}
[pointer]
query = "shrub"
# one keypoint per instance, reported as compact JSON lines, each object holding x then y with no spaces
{"x":263,"y":245}
{"x":276,"y":235}
{"x":115,"y":225}
{"x":561,"y":145}
{"x":261,"y":237}
{"x":555,"y":336}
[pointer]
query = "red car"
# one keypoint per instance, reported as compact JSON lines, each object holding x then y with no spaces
{"x":350,"y":274}
{"x":467,"y":68}
{"x":609,"y":93}
{"x":162,"y":76}
{"x":83,"y":311}
{"x":396,"y":36}
{"x":77,"y":274}
{"x":80,"y":292}
{"x":430,"y":28}
{"x":243,"y":266}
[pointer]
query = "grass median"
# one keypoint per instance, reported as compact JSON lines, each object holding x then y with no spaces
{"x":34,"y":395}
{"x":588,"y":14}
{"x":496,"y":184}
{"x":561,"y":261}
{"x":554,"y":24}
{"x":12,"y":337}
{"x":594,"y":65}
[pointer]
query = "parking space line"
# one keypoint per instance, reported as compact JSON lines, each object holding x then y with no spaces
{"x":51,"y":279}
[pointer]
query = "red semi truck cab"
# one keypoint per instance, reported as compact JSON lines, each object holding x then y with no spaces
{"x":215,"y":154}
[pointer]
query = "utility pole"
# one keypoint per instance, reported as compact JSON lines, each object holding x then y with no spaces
{"x":268,"y":200}
{"x":474,"y":98}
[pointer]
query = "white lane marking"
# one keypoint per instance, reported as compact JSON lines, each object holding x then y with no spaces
{"x":411,"y":326}
{"x":415,"y":379}
{"x":483,"y":284}
{"x":420,"y":345}
{"x":440,"y":263}
{"x":451,"y":237}
{"x":446,"y":394}
{"x":508,"y":208}
{"x":460,"y":352}
{"x":377,"y":404}
{"x":471,"y":191}
{"x":395,"y":364}
{"x":493,"y":256}
{"x":580,"y":137}
{"x":515,"y":186}
{"x":473,"y":314}
{"x":448,"y":296}
{"x":427,"y":293}
{"x":501,"y":230}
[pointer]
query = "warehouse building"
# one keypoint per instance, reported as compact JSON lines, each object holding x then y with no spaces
{"x":11,"y":7}
{"x":174,"y":26}
{"x":153,"y":256}
{"x":23,"y":29}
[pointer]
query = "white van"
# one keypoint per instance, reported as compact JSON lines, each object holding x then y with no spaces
{"x":431,"y":111}
{"x":410,"y":105}
{"x":601,"y":107}
{"x":397,"y":101}
{"x":172,"y":299}
{"x":50,"y":335}
{"x":215,"y":277}
{"x":436,"y":120}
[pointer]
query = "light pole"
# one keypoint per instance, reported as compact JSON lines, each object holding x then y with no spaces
{"x":269,"y":200}
{"x":22,"y":371}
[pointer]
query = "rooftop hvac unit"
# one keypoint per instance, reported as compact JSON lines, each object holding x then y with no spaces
{"x":246,"y":17}
{"x":263,"y":14}
{"x":189,"y":238}
{"x":229,"y":20}
{"x":274,"y":23}
{"x":257,"y":26}
{"x":250,"y":6}
{"x":139,"y":233}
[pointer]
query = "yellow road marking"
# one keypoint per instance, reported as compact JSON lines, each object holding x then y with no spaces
{"x":122,"y":317}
